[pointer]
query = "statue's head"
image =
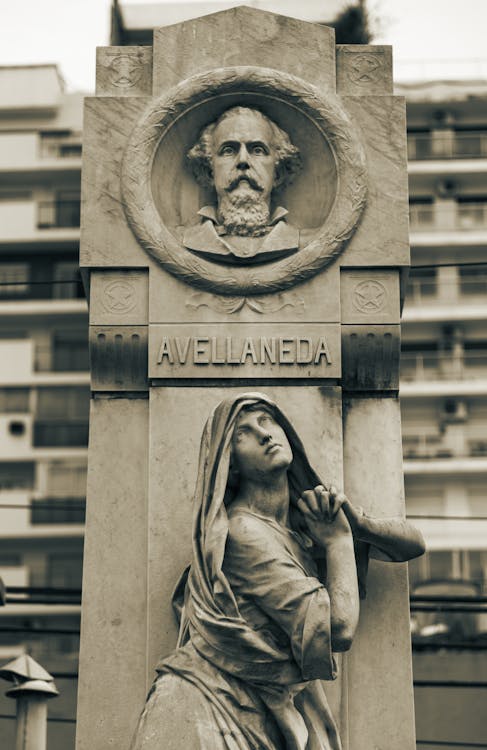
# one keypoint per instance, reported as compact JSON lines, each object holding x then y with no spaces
{"x":260,"y":446}
{"x":245,"y":157}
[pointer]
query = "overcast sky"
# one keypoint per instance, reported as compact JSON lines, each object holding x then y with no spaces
{"x":451,"y":35}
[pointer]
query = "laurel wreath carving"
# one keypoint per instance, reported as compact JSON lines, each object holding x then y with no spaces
{"x":325,"y":112}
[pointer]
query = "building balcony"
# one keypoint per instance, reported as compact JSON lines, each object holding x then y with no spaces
{"x":23,"y":515}
{"x":450,"y":225}
{"x":444,"y":464}
{"x":27,"y":222}
{"x":25,"y":363}
{"x":425,"y":446}
{"x":432,"y":299}
{"x":436,"y":366}
{"x":32,"y":154}
{"x":447,"y":145}
{"x":58,"y":214}
{"x":464,"y":217}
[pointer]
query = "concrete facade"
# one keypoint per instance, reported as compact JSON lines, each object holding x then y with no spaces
{"x":44,"y":383}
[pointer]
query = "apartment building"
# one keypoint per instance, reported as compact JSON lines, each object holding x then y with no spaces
{"x":444,"y":405}
{"x":44,"y":394}
{"x":44,"y":382}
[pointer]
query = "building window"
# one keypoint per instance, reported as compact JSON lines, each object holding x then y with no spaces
{"x":66,"y":479}
{"x":419,"y":360}
{"x":419,"y":144}
{"x":421,"y":212}
{"x":67,"y":281}
{"x":471,"y":144}
{"x":423,"y":282}
{"x":52,"y":510}
{"x":14,"y":279}
{"x":64,"y":211}
{"x":60,"y":144}
{"x":16,"y":475}
{"x":62,"y":417}
{"x":65,"y":571}
{"x":70,"y":351}
{"x":471,"y":212}
{"x":473,"y":280}
{"x":14,"y":400}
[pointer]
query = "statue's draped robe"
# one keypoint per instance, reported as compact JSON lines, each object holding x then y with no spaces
{"x":255,"y":632}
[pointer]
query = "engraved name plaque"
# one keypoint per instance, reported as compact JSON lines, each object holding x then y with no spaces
{"x":249,"y":351}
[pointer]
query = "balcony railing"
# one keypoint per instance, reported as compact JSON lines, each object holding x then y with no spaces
{"x":422,"y":366}
{"x":468,"y":216}
{"x":433,"y":446}
{"x":463,"y":290}
{"x":52,"y":214}
{"x":448,"y":146}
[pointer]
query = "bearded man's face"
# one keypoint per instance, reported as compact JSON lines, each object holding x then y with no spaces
{"x":244,"y":165}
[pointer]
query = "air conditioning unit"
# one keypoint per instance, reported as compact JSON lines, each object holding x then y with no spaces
{"x":446,"y":188}
{"x":454,"y":411}
{"x":15,"y":434}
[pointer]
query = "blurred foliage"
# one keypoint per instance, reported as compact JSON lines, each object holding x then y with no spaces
{"x":352,"y":24}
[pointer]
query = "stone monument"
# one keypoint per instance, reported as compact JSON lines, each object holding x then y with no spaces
{"x":244,"y":229}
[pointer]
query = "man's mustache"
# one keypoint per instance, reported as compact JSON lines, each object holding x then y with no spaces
{"x":244,"y":178}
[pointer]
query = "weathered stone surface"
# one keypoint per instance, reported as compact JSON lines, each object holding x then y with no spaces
{"x":364,"y":69}
{"x":123,"y":71}
{"x":319,"y":299}
{"x":382,"y":238}
{"x":113,"y":677}
{"x":106,"y":239}
{"x":369,"y":296}
{"x":244,"y":36}
{"x":380,"y":685}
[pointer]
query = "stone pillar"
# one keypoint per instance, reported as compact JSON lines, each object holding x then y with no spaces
{"x":174,"y":328}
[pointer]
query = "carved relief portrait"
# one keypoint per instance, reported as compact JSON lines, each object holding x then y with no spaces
{"x":244,"y":180}
{"x":246,"y":158}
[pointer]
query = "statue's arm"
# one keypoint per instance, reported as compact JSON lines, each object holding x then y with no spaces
{"x":264,"y":570}
{"x":342,"y":585}
{"x":393,"y":539}
{"x":334,"y":534}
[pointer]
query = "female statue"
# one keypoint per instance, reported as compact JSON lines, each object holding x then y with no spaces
{"x":271,"y":594}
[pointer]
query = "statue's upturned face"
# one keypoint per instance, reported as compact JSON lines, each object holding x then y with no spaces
{"x":259,"y":445}
{"x":243,"y":158}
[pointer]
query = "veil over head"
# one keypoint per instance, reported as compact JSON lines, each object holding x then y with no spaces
{"x":209,"y":608}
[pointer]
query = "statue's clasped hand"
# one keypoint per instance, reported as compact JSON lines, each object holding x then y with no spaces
{"x":324,"y":511}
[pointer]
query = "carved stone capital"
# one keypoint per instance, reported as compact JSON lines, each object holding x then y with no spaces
{"x":118,"y":358}
{"x":370,"y":357}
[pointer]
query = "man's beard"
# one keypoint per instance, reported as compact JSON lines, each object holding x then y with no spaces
{"x":244,"y":214}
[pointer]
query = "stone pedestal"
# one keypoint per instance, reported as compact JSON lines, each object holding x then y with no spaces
{"x":172,"y":333}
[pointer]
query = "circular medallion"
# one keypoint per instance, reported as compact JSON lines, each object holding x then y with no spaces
{"x":125,"y":70}
{"x":369,"y":297}
{"x":170,"y":125}
{"x":119,"y":297}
